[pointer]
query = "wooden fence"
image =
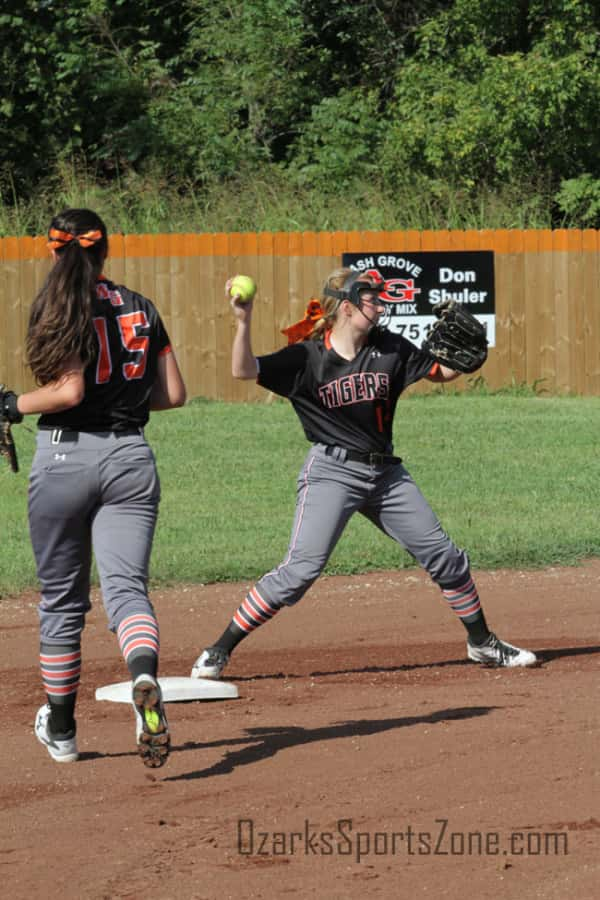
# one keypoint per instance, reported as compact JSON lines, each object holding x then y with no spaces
{"x":547,"y":297}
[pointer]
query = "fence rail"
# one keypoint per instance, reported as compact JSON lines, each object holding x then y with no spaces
{"x":547,"y":296}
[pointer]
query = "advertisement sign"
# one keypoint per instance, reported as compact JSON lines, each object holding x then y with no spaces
{"x":415,"y":282}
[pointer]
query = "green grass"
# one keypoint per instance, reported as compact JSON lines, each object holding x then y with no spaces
{"x":268,"y":201}
{"x":514,"y":477}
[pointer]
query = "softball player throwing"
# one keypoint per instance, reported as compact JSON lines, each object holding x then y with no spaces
{"x":102,"y":358}
{"x":344,"y":382}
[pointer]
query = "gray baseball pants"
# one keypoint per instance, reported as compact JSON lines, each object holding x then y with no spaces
{"x":329,"y":490}
{"x":91,"y":492}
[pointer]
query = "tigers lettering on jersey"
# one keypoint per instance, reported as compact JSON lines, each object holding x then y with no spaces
{"x":359,"y":387}
{"x":349,"y":403}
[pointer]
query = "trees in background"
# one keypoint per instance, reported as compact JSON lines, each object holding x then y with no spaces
{"x":327,"y":95}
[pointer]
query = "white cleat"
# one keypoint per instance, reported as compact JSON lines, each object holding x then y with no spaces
{"x":498,"y":653}
{"x":210,"y":663}
{"x":62,"y":750}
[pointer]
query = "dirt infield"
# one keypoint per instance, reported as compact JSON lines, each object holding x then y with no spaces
{"x":365,"y":757}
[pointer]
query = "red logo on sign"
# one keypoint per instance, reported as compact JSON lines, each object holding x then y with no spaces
{"x":397,"y":290}
{"x":401,"y":290}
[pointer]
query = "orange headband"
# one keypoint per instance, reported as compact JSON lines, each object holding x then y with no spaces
{"x":60,"y":239}
{"x":299,"y":331}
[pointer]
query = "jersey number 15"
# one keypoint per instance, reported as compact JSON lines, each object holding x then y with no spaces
{"x":136,"y":344}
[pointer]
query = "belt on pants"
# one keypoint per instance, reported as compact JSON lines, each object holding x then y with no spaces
{"x":63,"y":435}
{"x":372,"y":459}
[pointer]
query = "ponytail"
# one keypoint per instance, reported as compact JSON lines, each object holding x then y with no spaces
{"x":61,"y":318}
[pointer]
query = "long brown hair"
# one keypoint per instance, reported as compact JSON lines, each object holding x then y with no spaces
{"x":60,"y":321}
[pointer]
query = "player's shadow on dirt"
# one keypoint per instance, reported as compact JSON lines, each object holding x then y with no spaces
{"x":363,"y":670}
{"x":548,"y":655}
{"x":89,"y":755}
{"x":543,"y":656}
{"x":267,"y":742}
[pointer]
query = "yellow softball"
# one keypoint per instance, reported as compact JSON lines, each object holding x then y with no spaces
{"x":152,"y":719}
{"x":243,"y":287}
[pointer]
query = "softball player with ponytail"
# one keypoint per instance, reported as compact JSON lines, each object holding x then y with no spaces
{"x":102,"y":358}
{"x":343,"y":374}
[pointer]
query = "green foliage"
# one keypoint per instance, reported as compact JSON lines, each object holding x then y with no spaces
{"x":147,"y":202}
{"x":466,"y":112}
{"x":448,"y":105}
{"x":44,"y":78}
{"x":579,"y":199}
{"x":79,"y":79}
{"x":338,"y":144}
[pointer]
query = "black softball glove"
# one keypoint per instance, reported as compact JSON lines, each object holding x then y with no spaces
{"x":8,"y":415}
{"x":458,"y":340}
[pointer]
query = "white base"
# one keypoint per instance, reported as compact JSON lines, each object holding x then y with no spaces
{"x":174,"y":689}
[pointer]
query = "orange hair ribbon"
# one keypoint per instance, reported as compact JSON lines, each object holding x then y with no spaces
{"x":299,"y":331}
{"x":89,"y":238}
{"x":60,"y":239}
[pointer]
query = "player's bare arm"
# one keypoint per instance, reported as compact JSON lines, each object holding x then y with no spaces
{"x":243,"y":362}
{"x":169,"y":390}
{"x":65,"y":392}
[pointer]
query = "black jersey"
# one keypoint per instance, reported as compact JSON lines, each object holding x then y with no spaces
{"x":119,"y":380}
{"x":346,"y":403}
